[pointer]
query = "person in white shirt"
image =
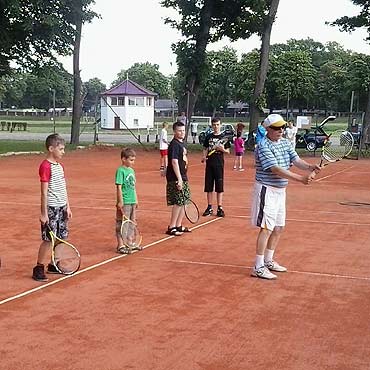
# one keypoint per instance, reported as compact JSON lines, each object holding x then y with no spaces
{"x":194,"y":130}
{"x":163,"y":149}
{"x":291,"y":132}
{"x":181,"y":118}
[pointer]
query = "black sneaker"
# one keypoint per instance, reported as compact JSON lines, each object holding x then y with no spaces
{"x":39,"y":273}
{"x":208,"y":212}
{"x":52,"y":269}
{"x":220,"y":212}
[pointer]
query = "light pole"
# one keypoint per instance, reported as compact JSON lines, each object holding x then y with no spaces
{"x":53,"y":91}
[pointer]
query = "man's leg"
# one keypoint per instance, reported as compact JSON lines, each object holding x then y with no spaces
{"x":270,"y":250}
{"x":259,"y":269}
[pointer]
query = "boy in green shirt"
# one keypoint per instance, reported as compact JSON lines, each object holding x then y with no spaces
{"x":126,"y":194}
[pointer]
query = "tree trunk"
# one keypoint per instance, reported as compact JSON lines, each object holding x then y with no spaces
{"x":77,"y":104}
{"x":254,"y":106}
{"x":366,"y":123}
{"x":194,"y":79}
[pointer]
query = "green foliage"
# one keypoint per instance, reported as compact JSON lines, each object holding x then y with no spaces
{"x":147,"y":75}
{"x":92,"y":89}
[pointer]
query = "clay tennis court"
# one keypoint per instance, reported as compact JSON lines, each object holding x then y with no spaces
{"x":188,"y":302}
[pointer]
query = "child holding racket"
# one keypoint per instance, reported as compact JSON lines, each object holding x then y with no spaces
{"x":177,"y":188}
{"x":213,"y":154}
{"x":239,"y":151}
{"x":126,"y":204}
{"x":273,"y":155}
{"x":55,"y":210}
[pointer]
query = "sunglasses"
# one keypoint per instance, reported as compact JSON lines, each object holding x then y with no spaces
{"x":278,"y":128}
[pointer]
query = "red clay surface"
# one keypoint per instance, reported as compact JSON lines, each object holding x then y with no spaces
{"x":187,"y":303}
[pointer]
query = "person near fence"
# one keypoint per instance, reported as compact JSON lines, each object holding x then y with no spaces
{"x":163,"y":149}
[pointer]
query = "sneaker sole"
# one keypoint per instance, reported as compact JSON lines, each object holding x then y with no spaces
{"x":40,"y":280}
{"x":253,"y":274}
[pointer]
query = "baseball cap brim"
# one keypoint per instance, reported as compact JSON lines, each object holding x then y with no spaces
{"x":278,"y":124}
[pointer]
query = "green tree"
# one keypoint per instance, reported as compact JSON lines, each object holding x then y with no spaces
{"x":202,"y":22}
{"x":92,"y":89}
{"x":349,"y":24}
{"x":148,"y":76}
{"x":218,"y":87}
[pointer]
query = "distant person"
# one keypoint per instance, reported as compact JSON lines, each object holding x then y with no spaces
{"x":181,"y":118}
{"x":291,"y":133}
{"x":177,"y":188}
{"x":163,"y":149}
{"x":261,"y":132}
{"x":55,"y":209}
{"x":194,"y":130}
{"x":126,"y":197}
{"x":214,"y":148}
{"x":274,"y":156}
{"x":239,"y":151}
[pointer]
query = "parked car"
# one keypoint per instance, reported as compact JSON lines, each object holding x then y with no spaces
{"x":315,"y":137}
{"x":226,"y":128}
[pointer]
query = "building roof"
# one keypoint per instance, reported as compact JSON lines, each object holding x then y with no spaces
{"x":128,"y":87}
{"x":165,"y":105}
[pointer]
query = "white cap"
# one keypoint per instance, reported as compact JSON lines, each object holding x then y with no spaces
{"x":274,"y":120}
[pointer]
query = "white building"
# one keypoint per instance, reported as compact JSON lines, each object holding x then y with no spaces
{"x":127,"y":105}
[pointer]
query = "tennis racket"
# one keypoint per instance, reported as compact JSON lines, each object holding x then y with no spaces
{"x":219,"y":142}
{"x":338,"y":145}
{"x":191,"y":209}
{"x":131,"y":237}
{"x":65,"y":257}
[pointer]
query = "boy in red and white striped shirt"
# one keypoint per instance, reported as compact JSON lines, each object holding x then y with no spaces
{"x":55,"y":210}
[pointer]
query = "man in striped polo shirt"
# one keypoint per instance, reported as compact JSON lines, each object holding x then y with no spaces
{"x":274,"y":156}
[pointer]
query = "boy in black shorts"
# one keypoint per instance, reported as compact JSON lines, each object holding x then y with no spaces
{"x":214,"y":147}
{"x":177,"y":181}
{"x":55,"y":210}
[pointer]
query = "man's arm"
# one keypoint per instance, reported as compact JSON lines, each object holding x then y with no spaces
{"x":303,"y":165}
{"x":286,"y":174}
{"x":176,"y":169}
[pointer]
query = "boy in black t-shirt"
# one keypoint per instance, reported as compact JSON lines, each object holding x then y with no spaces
{"x":177,"y":181}
{"x":214,"y":147}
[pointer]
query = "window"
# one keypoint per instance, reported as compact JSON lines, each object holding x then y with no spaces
{"x":114,"y":100}
{"x":131,"y":101}
{"x":136,"y":122}
{"x":121,"y":100}
{"x":149,"y":101}
{"x":139,"y":102}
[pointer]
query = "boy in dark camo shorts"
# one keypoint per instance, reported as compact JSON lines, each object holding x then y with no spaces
{"x":55,"y":210}
{"x":177,"y":181}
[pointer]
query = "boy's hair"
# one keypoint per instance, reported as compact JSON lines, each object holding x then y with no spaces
{"x":164,"y":124}
{"x":215,"y":119}
{"x":176,"y":125}
{"x":127,"y":152}
{"x":53,"y":140}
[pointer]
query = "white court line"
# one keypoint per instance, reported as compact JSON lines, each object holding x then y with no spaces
{"x":334,"y":174}
{"x":46,"y":285}
{"x":315,"y":221}
{"x":250,"y":267}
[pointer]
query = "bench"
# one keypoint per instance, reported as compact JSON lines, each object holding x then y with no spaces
{"x":11,"y":126}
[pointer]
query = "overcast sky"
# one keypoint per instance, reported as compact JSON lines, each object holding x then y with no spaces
{"x":133,"y":31}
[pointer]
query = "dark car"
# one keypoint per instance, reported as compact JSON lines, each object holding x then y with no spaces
{"x":227,"y":129}
{"x":313,"y":138}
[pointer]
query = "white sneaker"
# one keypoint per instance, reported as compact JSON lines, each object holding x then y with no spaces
{"x":241,"y":169}
{"x":274,"y":266}
{"x":263,"y":273}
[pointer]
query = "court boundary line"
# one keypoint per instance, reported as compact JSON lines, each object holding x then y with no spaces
{"x":321,"y":274}
{"x":96,"y":265}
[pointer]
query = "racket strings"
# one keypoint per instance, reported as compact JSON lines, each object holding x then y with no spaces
{"x":130,"y":234}
{"x":66,"y":258}
{"x":338,"y":146}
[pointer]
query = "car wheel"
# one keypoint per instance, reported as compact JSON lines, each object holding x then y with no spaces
{"x":311,"y":146}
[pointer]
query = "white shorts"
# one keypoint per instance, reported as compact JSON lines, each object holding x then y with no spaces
{"x":268,"y":206}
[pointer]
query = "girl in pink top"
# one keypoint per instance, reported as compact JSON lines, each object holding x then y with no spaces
{"x":239,"y":151}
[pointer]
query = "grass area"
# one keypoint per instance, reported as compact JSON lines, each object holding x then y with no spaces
{"x":26,"y":146}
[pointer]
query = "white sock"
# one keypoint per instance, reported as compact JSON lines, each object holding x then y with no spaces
{"x":259,"y":261}
{"x":269,"y":254}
